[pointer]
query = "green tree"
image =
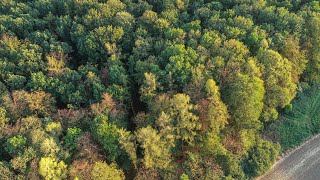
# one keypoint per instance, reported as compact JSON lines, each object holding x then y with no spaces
{"x":217,"y":113}
{"x":108,"y":136}
{"x":199,"y":167}
{"x":127,"y":142}
{"x":49,"y":147}
{"x":103,"y":171}
{"x":54,"y":128}
{"x":166,"y":129}
{"x":19,"y":163}
{"x":15,"y":145}
{"x":231,"y":166}
{"x":51,"y":168}
{"x":25,"y":57}
{"x":194,"y":89}
{"x":296,"y":56}
{"x":213,"y":116}
{"x":313,"y":41}
{"x":261,"y":157}
{"x":244,"y":97}
{"x":15,"y":82}
{"x":179,"y":61}
{"x":278,"y":84}
{"x":72,"y":137}
{"x":185,"y":121}
{"x":148,"y":88}
{"x":100,"y":42}
{"x":155,"y":150}
{"x":3,"y":119}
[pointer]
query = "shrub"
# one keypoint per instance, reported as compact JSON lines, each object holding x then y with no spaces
{"x":261,"y":157}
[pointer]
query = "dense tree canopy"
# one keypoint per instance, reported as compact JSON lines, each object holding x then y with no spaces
{"x":163,"y":89}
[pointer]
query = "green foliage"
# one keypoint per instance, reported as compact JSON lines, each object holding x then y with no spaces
{"x":51,"y":168}
{"x":117,"y":75}
{"x":148,"y":88}
{"x":245,"y":100}
{"x":102,"y":170}
{"x":72,"y":137}
{"x":3,"y":119}
{"x":100,"y":42}
{"x":16,"y":144}
{"x":292,"y":51}
{"x":185,"y":120}
{"x":119,"y":93}
{"x":54,"y":128}
{"x":49,"y":147}
{"x":25,"y":58}
{"x":162,"y":89}
{"x":179,"y":61}
{"x":261,"y":157}
{"x":30,"y":123}
{"x":107,"y":134}
{"x":184,"y":177}
{"x":217,"y":112}
{"x":200,"y":167}
{"x":300,"y":123}
{"x":19,"y":163}
{"x":279,"y":87}
{"x":16,"y":81}
{"x":231,"y":166}
{"x":127,"y":142}
{"x":155,"y":150}
{"x":313,"y":30}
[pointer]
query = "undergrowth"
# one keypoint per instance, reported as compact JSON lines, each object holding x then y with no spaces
{"x":299,"y":122}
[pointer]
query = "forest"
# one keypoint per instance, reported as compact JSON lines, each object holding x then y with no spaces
{"x":153,"y":89}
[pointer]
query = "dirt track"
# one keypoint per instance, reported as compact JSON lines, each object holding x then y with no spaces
{"x":301,"y":164}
